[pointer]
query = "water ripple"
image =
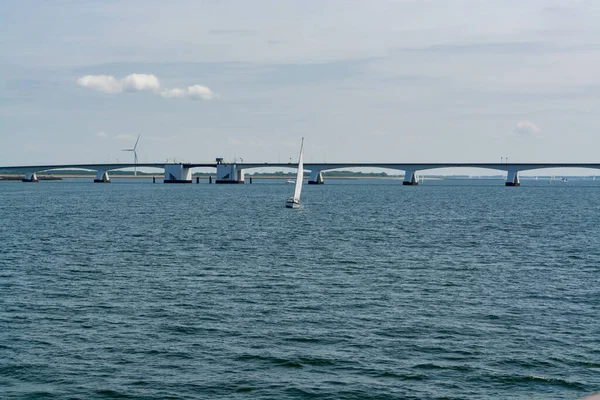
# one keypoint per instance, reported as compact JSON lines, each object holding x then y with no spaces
{"x":370,"y":291}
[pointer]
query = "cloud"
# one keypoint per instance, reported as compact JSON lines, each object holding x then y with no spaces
{"x":195,"y":92}
{"x":234,"y":142}
{"x":101,"y":83}
{"x":101,"y":134}
{"x":143,"y":82}
{"x":110,"y":84}
{"x":139,"y":82}
{"x":200,"y":92}
{"x":173,"y":93}
{"x":527,"y":128}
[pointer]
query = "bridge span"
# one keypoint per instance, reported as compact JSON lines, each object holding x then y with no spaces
{"x":235,"y":172}
{"x":173,"y":172}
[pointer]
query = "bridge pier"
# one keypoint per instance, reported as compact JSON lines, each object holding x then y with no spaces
{"x":316,"y":177}
{"x":30,"y":177}
{"x":410,"y":178}
{"x":229,"y":173}
{"x":177,"y":173}
{"x":102,"y":177}
{"x":512,"y":178}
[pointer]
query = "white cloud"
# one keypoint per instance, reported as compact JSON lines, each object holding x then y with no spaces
{"x":200,"y":92}
{"x":101,"y":83}
{"x":143,"y":82}
{"x":195,"y":92}
{"x":101,"y":134}
{"x":138,"y":82}
{"x":110,"y":84}
{"x":527,"y":128}
{"x":234,"y":142}
{"x":173,"y":93}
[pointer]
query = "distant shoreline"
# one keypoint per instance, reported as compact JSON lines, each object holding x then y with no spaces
{"x":49,"y":177}
{"x":15,"y":177}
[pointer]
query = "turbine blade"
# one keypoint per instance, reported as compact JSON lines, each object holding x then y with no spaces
{"x":136,"y":142}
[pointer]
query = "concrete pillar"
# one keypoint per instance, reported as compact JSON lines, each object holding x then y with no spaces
{"x":102,"y":177}
{"x":177,"y":173}
{"x":316,"y":177}
{"x":410,"y":178}
{"x":30,"y":177}
{"x":229,"y":173}
{"x":512,"y":178}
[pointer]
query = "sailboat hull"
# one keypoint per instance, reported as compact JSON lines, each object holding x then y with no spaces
{"x":292,"y":204}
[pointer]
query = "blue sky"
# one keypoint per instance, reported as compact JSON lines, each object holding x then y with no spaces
{"x":383,"y":81}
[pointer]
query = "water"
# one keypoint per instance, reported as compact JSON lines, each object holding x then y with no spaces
{"x":448,"y":290}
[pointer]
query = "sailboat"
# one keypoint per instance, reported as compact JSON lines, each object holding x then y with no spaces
{"x":294,"y":201}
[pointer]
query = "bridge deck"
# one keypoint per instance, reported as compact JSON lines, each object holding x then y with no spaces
{"x":307,"y":166}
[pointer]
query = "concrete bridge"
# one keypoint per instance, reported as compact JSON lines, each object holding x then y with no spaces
{"x":234,"y":172}
{"x":173,"y":172}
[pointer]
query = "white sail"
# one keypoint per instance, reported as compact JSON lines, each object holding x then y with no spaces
{"x":294,"y":201}
{"x":299,"y":174}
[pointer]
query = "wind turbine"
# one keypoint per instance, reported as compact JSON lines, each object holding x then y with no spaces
{"x":135,"y":159}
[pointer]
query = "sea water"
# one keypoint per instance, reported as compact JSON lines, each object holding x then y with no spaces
{"x":372,"y":290}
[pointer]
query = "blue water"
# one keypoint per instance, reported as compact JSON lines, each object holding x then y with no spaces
{"x":372,"y":290}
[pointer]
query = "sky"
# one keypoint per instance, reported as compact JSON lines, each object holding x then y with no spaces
{"x":362,"y":81}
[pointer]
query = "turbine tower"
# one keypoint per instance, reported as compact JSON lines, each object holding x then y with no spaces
{"x":135,"y":158}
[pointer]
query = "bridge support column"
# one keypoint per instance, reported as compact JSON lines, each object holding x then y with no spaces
{"x":177,"y":173}
{"x":102,"y":177}
{"x":30,"y":177}
{"x":316,"y":178}
{"x":512,"y":178}
{"x":410,"y":178}
{"x":229,"y":173}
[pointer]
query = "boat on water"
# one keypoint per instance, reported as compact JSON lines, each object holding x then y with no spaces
{"x":290,"y":181}
{"x":294,"y":201}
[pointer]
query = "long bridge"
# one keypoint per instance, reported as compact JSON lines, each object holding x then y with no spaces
{"x":234,"y":172}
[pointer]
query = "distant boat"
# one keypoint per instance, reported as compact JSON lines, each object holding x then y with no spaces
{"x":294,"y":201}
{"x":290,"y":181}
